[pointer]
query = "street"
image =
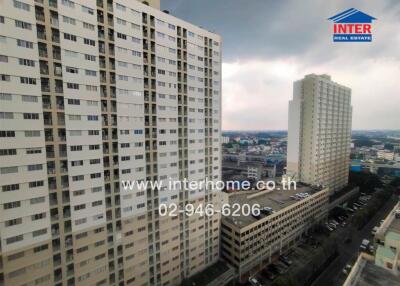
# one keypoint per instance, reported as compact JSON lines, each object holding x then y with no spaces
{"x":348,"y":252}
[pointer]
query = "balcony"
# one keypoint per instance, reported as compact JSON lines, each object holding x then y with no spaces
{"x":42,"y":53}
{"x":39,"y":16}
{"x":54,"y":22}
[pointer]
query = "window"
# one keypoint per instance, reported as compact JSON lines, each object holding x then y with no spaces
{"x":7,"y":133}
{"x":71,"y":54}
{"x":68,"y":3}
{"x":36,"y":184}
{"x":3,"y":59}
{"x":39,"y":232}
{"x":38,"y":216}
{"x":70,"y":37}
{"x":91,"y":88}
{"x":24,"y":44}
{"x":35,"y":167}
{"x":71,"y":70}
{"x":28,"y":80}
{"x":78,"y":178}
{"x":73,"y":101}
{"x":34,"y":116}
{"x":8,"y":152}
{"x":76,"y":148}
{"x":78,"y":193}
{"x":87,"y":10}
{"x":29,"y":98}
{"x":72,"y":85}
{"x":12,"y":205}
{"x":95,"y":175}
{"x":77,"y":163}
{"x":94,"y":161}
{"x":14,"y":239}
{"x":21,"y":5}
{"x":12,"y":222}
{"x":93,"y":117}
{"x":5,"y":77}
{"x":80,"y":207}
{"x":121,"y":36}
{"x":90,"y":73}
{"x":78,"y":222}
{"x":89,"y":42}
{"x":10,"y":188}
{"x":90,"y":58}
{"x":8,"y":170}
{"x":88,"y":26}
{"x":23,"y":25}
{"x":69,"y":20}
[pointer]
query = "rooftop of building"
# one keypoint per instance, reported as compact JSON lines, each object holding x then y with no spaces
{"x":372,"y":275}
{"x":277,"y":200}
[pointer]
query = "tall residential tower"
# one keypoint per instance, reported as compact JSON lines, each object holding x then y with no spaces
{"x":319,"y":132}
{"x":94,"y":93}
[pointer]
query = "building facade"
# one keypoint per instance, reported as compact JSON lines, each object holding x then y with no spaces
{"x":319,"y":132}
{"x":250,"y":243}
{"x":94,"y":93}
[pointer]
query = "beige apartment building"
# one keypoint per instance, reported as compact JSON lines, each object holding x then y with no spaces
{"x":319,"y":133}
{"x":249,"y":242}
{"x":94,"y":93}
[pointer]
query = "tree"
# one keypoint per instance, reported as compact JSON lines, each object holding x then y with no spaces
{"x":389,"y":146}
{"x":286,"y":280}
{"x":395,"y":182}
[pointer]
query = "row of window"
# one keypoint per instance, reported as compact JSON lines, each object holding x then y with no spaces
{"x":18,"y":238}
{"x":18,"y":221}
{"x":22,"y":79}
{"x":73,"y":38}
{"x":10,"y":115}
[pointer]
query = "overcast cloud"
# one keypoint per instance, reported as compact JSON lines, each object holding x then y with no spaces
{"x":269,"y":44}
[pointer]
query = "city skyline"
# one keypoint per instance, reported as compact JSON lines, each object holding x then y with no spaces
{"x":262,"y":62}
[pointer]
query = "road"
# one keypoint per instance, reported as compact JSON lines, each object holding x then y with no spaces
{"x":348,"y":253}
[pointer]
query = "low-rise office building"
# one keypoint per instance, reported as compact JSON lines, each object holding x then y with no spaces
{"x":251,"y":242}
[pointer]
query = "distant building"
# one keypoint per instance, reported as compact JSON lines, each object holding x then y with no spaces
{"x":254,"y":171}
{"x":385,"y":154}
{"x":249,"y":242}
{"x":225,"y":139}
{"x":319,"y":132}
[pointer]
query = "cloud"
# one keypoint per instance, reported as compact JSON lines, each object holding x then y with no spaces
{"x":269,"y":44}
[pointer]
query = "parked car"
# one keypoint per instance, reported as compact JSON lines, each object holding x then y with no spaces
{"x":346,"y":270}
{"x":254,"y":282}
{"x":285,"y":260}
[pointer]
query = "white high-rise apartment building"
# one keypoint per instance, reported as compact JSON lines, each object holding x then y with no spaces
{"x":319,"y":132}
{"x":94,"y":93}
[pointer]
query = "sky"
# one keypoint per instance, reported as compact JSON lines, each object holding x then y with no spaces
{"x":268,"y":44}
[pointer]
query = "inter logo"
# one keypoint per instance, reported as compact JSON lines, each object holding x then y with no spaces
{"x":352,"y":25}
